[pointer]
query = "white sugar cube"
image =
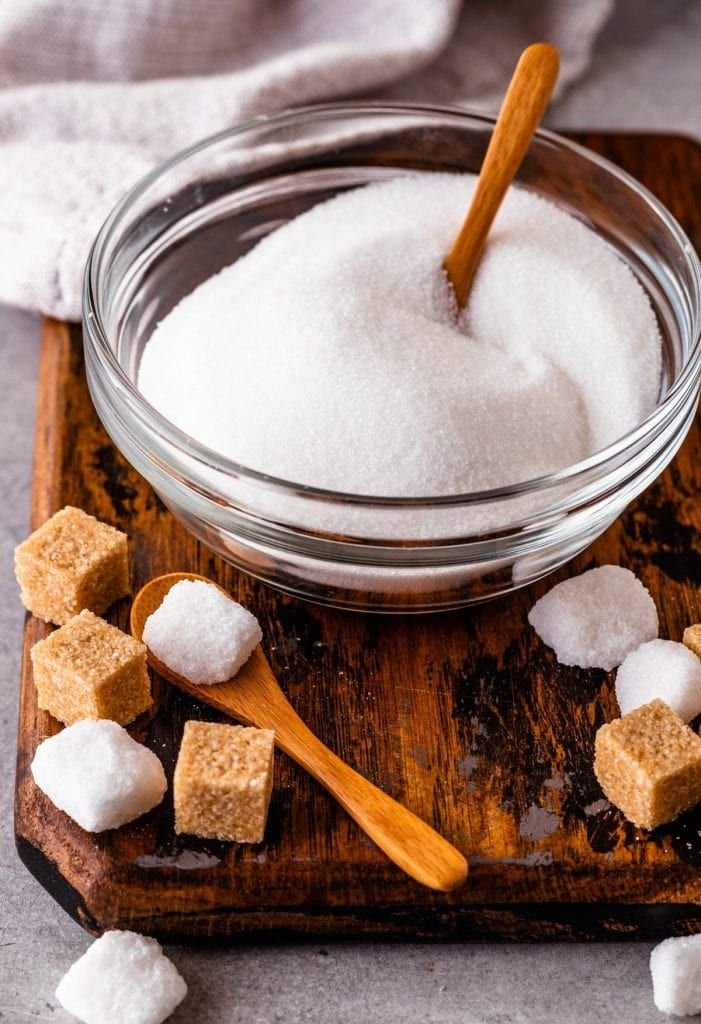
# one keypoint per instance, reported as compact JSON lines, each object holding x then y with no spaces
{"x":664,"y":669}
{"x":97,"y":774}
{"x":124,"y":978}
{"x":596,"y":619}
{"x":675,"y":966}
{"x":200,"y":633}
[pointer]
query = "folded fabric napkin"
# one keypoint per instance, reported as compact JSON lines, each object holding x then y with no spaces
{"x":94,"y":94}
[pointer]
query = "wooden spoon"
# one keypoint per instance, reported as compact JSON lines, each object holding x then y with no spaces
{"x":254,"y":697}
{"x":523,"y":107}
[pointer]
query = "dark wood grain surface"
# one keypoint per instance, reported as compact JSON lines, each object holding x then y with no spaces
{"x":464,"y":717}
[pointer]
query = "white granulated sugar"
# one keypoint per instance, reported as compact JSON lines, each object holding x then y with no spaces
{"x":124,"y":978}
{"x":97,"y":774}
{"x":200,"y":633}
{"x":664,"y":669}
{"x":329,"y":355}
{"x":675,"y":966}
{"x":594,"y":620}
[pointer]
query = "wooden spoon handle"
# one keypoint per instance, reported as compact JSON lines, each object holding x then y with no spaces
{"x":523,"y":107}
{"x":407,"y":840}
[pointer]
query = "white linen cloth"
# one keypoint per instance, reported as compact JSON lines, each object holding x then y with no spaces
{"x":93,"y":93}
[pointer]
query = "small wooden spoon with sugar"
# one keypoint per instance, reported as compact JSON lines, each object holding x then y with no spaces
{"x":520,"y":114}
{"x":254,"y":697}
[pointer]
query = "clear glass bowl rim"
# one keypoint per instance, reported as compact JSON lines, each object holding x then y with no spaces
{"x":96,"y":335}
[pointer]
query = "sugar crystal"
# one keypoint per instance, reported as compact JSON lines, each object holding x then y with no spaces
{"x":200,"y":633}
{"x":97,"y":774}
{"x":330,"y":354}
{"x":692,"y":638}
{"x":675,"y":966}
{"x":594,"y":620}
{"x":664,"y":669}
{"x":124,"y":978}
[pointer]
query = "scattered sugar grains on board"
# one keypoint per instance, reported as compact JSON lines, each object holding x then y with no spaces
{"x":361,"y":345}
{"x":675,"y":966}
{"x":200,"y":633}
{"x":124,"y":978}
{"x":594,"y":620}
{"x":97,"y":774}
{"x":664,"y":669}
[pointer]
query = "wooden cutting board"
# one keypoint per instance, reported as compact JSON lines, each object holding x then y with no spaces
{"x":464,"y":717}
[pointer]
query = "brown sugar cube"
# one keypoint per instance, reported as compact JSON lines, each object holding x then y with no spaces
{"x":692,"y":639}
{"x":70,"y":563}
{"x":89,"y":669}
{"x":649,"y":764}
{"x":222,"y":781}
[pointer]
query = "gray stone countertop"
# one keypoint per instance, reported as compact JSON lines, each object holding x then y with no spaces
{"x":645,"y":76}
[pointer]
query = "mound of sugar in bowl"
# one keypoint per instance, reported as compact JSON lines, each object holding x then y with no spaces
{"x":675,"y":966}
{"x":664,"y":669}
{"x":124,"y":978}
{"x":594,"y":620}
{"x":331,"y":354}
{"x":97,"y":774}
{"x":200,"y":633}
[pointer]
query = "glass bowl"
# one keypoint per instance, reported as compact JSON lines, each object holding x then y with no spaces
{"x":207,"y":206}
